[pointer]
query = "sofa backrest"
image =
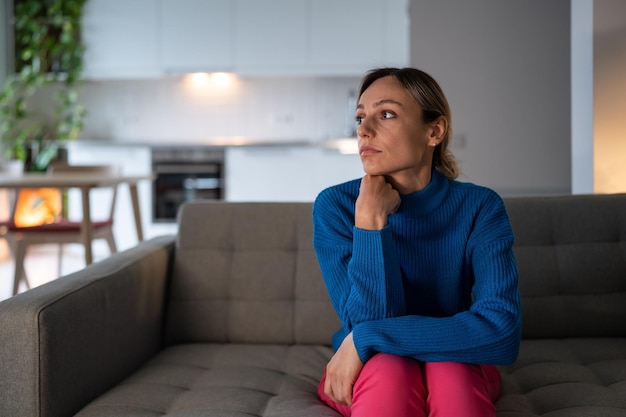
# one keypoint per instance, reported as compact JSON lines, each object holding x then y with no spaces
{"x":571,"y":254}
{"x":247,"y":272}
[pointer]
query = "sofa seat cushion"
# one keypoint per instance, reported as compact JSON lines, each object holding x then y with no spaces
{"x":225,"y":380}
{"x":566,"y":378}
{"x":552,"y":377}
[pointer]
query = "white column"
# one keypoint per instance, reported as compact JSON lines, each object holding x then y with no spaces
{"x":582,"y":95}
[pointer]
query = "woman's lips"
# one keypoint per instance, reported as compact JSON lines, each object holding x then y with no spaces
{"x":368,"y":150}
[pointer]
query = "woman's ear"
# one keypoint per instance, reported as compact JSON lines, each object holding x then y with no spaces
{"x":439,"y":127}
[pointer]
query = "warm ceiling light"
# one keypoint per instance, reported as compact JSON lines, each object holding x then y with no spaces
{"x":345,"y":146}
{"x":198,"y":79}
{"x":209,"y":82}
{"x":222,"y":79}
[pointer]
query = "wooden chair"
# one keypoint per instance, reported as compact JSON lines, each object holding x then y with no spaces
{"x":63,"y":230}
{"x":4,"y":234}
{"x":6,"y":202}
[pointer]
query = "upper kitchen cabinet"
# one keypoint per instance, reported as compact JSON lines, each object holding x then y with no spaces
{"x":351,"y":36}
{"x":196,"y":35}
{"x":147,"y":38}
{"x":395,"y":52}
{"x":320,"y":37}
{"x":121,"y":38}
{"x":271,"y":36}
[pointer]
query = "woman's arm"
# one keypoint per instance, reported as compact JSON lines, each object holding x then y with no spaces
{"x":488,"y":332}
{"x":359,"y":266}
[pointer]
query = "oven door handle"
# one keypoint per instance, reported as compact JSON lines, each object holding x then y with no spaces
{"x":201,"y":183}
{"x":187,"y":169}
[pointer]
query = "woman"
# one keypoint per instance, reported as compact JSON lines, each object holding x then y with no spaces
{"x":418,"y":265}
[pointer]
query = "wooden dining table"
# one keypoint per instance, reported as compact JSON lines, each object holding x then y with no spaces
{"x":85,"y":182}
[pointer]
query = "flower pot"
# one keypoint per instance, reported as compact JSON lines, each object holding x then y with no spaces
{"x":12,"y":167}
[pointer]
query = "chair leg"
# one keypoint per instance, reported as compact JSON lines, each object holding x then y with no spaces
{"x":111,"y":242}
{"x":60,"y":260}
{"x":20,"y":271}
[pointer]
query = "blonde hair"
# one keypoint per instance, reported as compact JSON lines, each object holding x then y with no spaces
{"x":430,"y":97}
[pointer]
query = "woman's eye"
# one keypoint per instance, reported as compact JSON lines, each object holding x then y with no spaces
{"x":358,"y":119}
{"x":388,"y":115}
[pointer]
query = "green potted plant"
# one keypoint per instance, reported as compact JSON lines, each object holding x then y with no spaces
{"x":48,"y":56}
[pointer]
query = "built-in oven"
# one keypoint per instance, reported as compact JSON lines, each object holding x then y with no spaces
{"x":184,"y":174}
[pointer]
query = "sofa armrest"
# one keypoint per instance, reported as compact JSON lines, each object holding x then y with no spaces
{"x":68,"y":341}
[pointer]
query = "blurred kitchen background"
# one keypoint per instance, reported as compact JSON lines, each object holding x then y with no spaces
{"x":252,"y":100}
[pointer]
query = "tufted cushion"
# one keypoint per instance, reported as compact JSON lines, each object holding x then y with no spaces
{"x":247,"y":272}
{"x":552,"y":377}
{"x":248,"y":318}
{"x":566,"y":378}
{"x":571,"y":254}
{"x":218,"y":380}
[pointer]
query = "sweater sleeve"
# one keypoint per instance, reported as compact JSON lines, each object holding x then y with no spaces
{"x":488,"y":332}
{"x":360,"y":267}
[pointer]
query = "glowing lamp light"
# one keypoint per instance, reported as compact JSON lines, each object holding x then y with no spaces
{"x":37,"y":206}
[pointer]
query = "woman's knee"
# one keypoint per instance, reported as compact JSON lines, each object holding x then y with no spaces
{"x":471,"y":388}
{"x":391,"y":383}
{"x":392,"y":376}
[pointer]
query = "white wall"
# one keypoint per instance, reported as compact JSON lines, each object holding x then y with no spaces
{"x":505,"y":67}
{"x":171,"y":110}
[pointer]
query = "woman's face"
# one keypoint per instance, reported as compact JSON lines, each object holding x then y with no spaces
{"x":393,"y":139}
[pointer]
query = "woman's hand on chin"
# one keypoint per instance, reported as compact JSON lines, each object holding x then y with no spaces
{"x":376,"y":201}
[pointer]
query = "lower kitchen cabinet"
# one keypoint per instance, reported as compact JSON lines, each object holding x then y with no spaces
{"x":284,"y":173}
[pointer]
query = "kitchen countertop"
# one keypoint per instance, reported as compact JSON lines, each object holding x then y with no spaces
{"x":341,"y":145}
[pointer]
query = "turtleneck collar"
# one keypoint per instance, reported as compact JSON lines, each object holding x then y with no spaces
{"x":425,"y":201}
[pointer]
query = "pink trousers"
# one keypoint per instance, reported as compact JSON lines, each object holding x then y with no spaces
{"x":390,"y":385}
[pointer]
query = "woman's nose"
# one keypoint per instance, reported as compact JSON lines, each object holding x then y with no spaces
{"x":364,"y":128}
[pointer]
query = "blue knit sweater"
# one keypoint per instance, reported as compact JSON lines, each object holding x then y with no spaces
{"x":438,"y":283}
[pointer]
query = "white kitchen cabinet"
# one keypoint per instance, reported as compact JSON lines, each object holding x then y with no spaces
{"x":320,"y":37}
{"x":121,"y":38}
{"x":150,"y":38}
{"x":271,"y":36}
{"x":395,"y":51}
{"x":196,"y":35}
{"x":285,"y":173}
{"x":351,"y":36}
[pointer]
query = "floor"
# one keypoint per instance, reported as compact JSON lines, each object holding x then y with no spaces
{"x":42,"y":266}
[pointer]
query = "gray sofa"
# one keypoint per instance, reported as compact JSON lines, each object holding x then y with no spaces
{"x":231,"y":319}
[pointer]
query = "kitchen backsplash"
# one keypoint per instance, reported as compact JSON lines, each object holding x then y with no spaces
{"x":193,"y":109}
